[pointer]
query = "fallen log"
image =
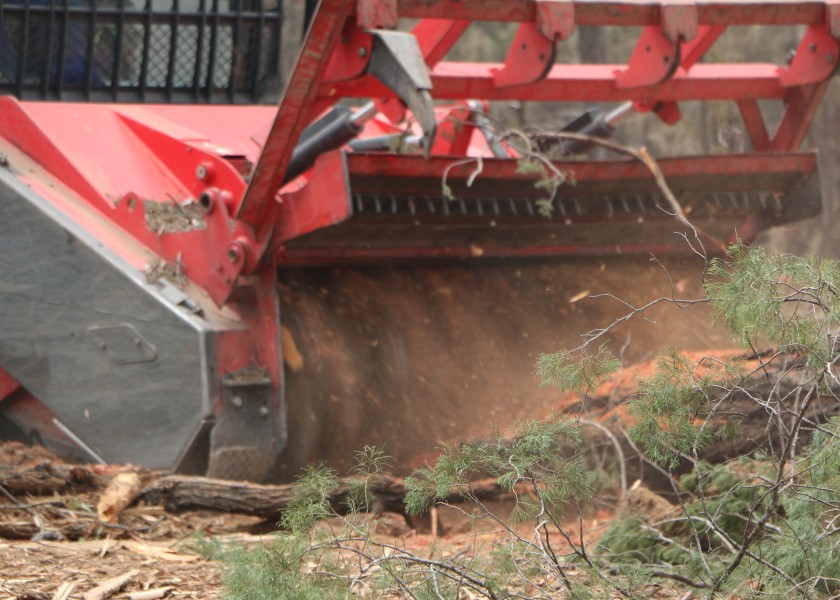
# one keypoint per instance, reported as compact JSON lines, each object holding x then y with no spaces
{"x":178,"y":493}
{"x":47,"y":478}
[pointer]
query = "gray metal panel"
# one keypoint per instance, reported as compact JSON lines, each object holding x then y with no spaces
{"x":60,"y":290}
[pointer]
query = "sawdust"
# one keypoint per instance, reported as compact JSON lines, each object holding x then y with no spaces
{"x":38,"y":569}
{"x":171,"y":217}
{"x":54,"y":544}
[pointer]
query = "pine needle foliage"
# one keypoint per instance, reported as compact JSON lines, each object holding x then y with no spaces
{"x":781,"y":300}
{"x":276,"y":571}
{"x":672,"y":408}
{"x":808,"y":544}
{"x":576,"y":370}
{"x":370,"y":462}
{"x":541,"y":455}
{"x":310,"y":499}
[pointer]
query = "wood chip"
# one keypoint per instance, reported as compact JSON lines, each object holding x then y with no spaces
{"x":160,"y":552}
{"x":64,"y":590}
{"x":120,"y":493}
{"x":107,"y":588}
{"x":579,"y":296}
{"x":105,"y":546}
{"x":153,"y":594}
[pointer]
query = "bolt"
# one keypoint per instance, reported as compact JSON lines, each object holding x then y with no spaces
{"x":201,"y":172}
{"x":830,"y":57}
{"x":237,"y":402}
{"x":812,"y":47}
{"x":233,"y":256}
{"x":362,"y":52}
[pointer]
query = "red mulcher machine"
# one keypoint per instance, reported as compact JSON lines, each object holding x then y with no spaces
{"x":190,"y":281}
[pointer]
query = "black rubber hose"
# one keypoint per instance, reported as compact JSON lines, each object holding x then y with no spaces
{"x":323,"y":138}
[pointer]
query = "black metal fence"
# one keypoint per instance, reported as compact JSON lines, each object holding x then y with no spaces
{"x":195,"y":51}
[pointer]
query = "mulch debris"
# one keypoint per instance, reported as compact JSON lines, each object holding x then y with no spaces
{"x":54,"y":547}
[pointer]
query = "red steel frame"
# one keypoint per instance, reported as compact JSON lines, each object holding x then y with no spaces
{"x":247,"y":223}
{"x":662,"y":71}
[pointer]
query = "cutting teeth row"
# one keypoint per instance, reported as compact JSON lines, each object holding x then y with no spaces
{"x":704,"y":204}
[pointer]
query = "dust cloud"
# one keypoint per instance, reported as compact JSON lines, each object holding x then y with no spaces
{"x":410,"y":358}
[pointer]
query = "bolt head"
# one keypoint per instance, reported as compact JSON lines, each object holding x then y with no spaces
{"x":201,"y":172}
{"x":362,"y":52}
{"x":233,"y":256}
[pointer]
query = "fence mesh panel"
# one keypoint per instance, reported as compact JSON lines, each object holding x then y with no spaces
{"x":196,"y":51}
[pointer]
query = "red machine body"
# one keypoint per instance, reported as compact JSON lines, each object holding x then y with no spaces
{"x":220,"y":171}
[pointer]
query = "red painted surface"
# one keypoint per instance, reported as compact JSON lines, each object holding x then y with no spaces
{"x":586,"y":83}
{"x":436,"y":37}
{"x":529,"y":59}
{"x":8,"y":385}
{"x":301,"y":91}
{"x":627,"y":13}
